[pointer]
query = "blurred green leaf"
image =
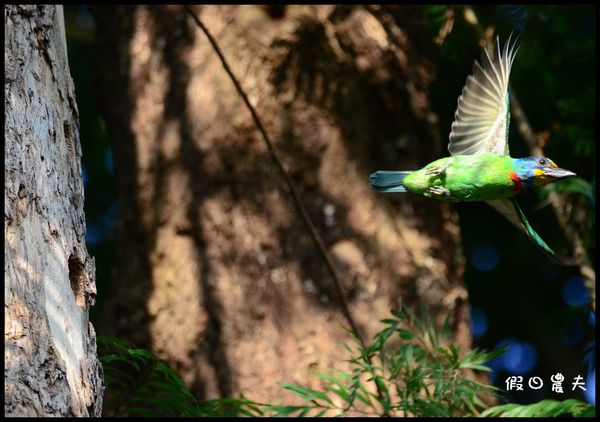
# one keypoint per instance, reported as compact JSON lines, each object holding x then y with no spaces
{"x":544,"y":408}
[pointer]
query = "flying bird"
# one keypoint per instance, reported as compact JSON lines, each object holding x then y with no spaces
{"x":480,"y":167}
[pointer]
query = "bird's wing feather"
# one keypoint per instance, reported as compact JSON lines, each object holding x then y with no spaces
{"x":511,"y":210}
{"x":483,"y":114}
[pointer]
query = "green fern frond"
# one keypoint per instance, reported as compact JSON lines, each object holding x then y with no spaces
{"x":137,"y":384}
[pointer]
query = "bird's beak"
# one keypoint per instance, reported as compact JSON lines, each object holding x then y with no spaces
{"x":558,"y":173}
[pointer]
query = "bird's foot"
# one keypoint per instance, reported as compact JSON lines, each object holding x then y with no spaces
{"x":435,"y":171}
{"x":439,"y":191}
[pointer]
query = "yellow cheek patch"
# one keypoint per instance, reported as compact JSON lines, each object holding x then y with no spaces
{"x":540,"y":177}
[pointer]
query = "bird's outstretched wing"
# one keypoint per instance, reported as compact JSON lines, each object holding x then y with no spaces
{"x":511,"y":210}
{"x":481,"y":124}
{"x":482,"y":118}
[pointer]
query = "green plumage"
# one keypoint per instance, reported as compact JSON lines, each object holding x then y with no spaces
{"x":480,"y":167}
{"x":464,"y":178}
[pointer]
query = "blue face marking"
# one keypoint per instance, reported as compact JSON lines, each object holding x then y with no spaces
{"x":525,"y":168}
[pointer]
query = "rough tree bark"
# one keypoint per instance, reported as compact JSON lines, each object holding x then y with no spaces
{"x":51,"y":366}
{"x":216,"y":272}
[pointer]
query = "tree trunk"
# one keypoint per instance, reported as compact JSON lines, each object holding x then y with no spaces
{"x":216,"y":272}
{"x":51,"y":366}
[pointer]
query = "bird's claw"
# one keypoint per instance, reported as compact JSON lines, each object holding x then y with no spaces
{"x":435,"y":171}
{"x":439,"y":191}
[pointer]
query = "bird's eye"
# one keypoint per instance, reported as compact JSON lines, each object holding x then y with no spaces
{"x":542,"y":162}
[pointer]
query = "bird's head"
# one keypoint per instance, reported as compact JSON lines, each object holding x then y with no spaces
{"x":537,"y":171}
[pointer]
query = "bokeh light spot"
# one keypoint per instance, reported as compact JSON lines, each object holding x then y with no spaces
{"x":574,"y":292}
{"x":479,"y":324}
{"x":590,"y":388}
{"x":93,"y":233}
{"x":485,"y":256}
{"x":520,"y":358}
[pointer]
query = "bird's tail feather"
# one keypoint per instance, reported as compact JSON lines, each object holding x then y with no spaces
{"x":559,"y":259}
{"x":388,"y":181}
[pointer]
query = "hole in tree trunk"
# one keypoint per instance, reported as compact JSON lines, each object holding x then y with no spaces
{"x":76,"y":279}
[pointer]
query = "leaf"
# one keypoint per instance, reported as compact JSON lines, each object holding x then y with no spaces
{"x":340,"y":392}
{"x":342,"y":374}
{"x":544,"y":408}
{"x":307,"y":393}
{"x":141,"y":385}
{"x":476,"y":367}
{"x":450,"y":354}
{"x":405,"y":334}
{"x":475,"y":359}
{"x":321,"y":413}
{"x":288,"y":410}
{"x":397,"y":314}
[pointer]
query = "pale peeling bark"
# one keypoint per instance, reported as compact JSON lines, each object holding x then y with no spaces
{"x":51,"y":365}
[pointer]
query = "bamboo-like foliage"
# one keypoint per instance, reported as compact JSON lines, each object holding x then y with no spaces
{"x":407,"y":370}
{"x":544,"y":408}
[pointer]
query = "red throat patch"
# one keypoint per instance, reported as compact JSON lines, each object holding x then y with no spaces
{"x":517,"y":181}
